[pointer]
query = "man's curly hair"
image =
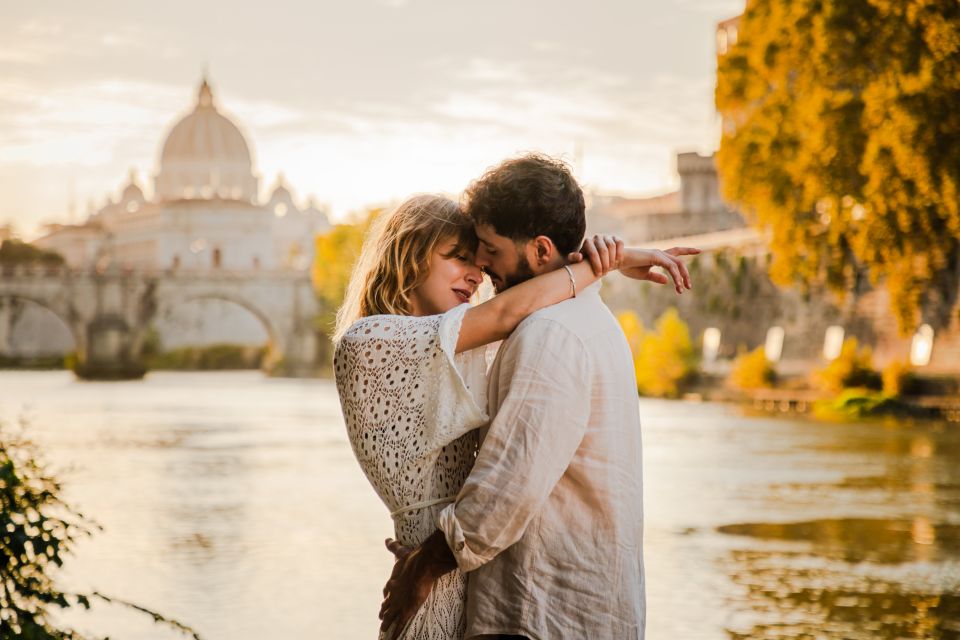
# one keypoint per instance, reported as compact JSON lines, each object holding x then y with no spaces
{"x":530,"y":196}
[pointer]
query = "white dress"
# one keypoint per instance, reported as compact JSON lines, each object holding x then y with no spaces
{"x":412,"y":408}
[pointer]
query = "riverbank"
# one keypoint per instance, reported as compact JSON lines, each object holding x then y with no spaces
{"x":214,"y":357}
{"x":850,"y":404}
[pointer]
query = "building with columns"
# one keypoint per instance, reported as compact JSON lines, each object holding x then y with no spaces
{"x":204,"y":215}
{"x":205,"y":211}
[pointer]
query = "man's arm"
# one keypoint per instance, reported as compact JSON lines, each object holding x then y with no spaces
{"x":527,"y":448}
{"x":537,"y":430}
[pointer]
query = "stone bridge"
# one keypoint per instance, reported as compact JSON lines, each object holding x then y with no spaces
{"x":110,"y":312}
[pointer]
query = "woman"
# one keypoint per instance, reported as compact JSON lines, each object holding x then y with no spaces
{"x":411,"y":364}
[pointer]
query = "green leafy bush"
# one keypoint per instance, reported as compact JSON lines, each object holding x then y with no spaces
{"x":37,"y":529}
{"x":215,"y":357}
{"x":37,"y":532}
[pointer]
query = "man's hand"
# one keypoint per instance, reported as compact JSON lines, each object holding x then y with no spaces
{"x":414,"y":574}
{"x":639,"y":263}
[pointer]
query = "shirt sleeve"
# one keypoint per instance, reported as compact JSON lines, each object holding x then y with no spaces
{"x":538,"y":428}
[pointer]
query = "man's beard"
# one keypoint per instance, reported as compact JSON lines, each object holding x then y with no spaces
{"x":522,"y":273}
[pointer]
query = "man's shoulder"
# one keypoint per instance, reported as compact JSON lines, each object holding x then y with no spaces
{"x":553,"y":319}
{"x":583,"y":315}
{"x":580,"y":319}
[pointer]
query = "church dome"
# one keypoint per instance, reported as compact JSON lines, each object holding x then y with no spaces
{"x":206,"y":156}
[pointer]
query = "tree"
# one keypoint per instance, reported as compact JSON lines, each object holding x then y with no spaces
{"x":842,"y":138}
{"x":334,"y":257}
{"x":17,"y":252}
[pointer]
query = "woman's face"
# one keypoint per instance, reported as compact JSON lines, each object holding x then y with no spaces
{"x":451,"y":281}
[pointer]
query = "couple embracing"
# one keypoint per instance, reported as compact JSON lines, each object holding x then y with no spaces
{"x":516,"y":488}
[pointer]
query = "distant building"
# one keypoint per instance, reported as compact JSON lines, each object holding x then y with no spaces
{"x":695,"y":209}
{"x":205,"y":212}
{"x":727,"y":32}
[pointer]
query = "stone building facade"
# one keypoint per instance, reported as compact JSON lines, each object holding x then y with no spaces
{"x":695,"y":208}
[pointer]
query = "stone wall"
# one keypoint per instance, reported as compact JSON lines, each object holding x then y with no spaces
{"x":733,"y":293}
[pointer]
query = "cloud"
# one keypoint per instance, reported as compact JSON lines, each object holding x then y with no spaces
{"x":82,"y":124}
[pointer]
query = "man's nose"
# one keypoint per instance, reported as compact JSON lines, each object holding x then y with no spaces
{"x":482,"y":260}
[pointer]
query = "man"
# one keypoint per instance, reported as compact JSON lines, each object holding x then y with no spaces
{"x":548,"y":526}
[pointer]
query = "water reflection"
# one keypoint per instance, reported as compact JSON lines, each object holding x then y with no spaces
{"x":791,"y":597}
{"x":233,"y":502}
{"x":859,"y":577}
{"x":863,"y":540}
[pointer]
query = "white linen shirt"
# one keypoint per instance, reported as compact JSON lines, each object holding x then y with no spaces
{"x":549,"y":523}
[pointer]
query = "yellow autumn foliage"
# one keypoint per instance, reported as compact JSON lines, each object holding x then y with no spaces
{"x":663,"y":359}
{"x":898,"y":378}
{"x":841,"y":137}
{"x":335,"y":253}
{"x":752,"y":370}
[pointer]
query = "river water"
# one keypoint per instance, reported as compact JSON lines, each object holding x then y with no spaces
{"x":232,"y":502}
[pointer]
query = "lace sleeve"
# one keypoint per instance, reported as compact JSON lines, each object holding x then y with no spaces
{"x":401,"y":373}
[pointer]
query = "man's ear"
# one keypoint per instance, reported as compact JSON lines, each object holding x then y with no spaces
{"x":544,"y":250}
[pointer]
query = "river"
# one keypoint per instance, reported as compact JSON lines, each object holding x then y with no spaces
{"x":232,"y":502}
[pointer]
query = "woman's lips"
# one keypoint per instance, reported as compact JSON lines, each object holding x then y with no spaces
{"x":463,"y":294}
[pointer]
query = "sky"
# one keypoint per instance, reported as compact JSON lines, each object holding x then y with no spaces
{"x":357,"y":103}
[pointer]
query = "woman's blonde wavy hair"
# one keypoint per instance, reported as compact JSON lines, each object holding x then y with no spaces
{"x":396,"y":257}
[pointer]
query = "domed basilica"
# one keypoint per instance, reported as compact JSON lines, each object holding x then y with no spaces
{"x":205,"y":212}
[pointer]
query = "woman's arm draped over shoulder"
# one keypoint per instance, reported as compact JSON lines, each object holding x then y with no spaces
{"x":496,"y":318}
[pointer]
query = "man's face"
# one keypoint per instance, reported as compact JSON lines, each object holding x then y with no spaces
{"x":501,"y":259}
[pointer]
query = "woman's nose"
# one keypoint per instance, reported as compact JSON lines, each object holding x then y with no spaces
{"x":475,"y":276}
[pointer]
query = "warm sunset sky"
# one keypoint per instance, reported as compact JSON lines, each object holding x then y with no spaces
{"x":356,"y":102}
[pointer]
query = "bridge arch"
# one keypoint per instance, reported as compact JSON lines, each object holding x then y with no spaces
{"x":73,"y":329}
{"x":170,"y":301}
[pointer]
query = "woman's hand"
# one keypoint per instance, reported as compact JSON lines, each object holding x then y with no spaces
{"x":639,"y":263}
{"x":604,"y":252}
{"x":607,"y":253}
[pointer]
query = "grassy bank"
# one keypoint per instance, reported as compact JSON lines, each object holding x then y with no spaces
{"x":216,"y":357}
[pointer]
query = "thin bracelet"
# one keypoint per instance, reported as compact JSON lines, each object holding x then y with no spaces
{"x":573,"y":282}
